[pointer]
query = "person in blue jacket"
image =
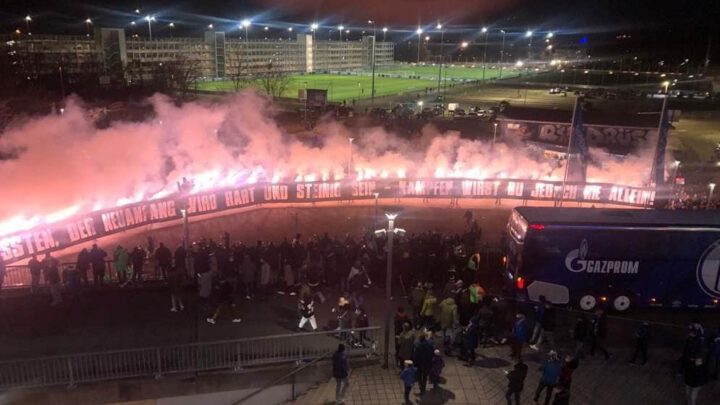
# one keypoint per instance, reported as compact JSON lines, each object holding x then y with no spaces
{"x":519,"y":336}
{"x":550,"y":376}
{"x":408,"y":378}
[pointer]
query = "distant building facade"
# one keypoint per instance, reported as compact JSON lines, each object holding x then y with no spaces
{"x":214,"y":56}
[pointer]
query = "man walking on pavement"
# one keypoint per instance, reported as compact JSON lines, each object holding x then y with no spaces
{"x":423,"y":356}
{"x":516,"y":382}
{"x":341,"y":371}
{"x":550,"y":377}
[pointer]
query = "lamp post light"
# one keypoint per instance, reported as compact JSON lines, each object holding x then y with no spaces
{"x":88,"y":23}
{"x":390,"y":232}
{"x":349,"y":167}
{"x":28,"y":20}
{"x":385,"y":30}
{"x":502,"y":54}
{"x":711,"y":187}
{"x":313,"y":28}
{"x":376,"y":195}
{"x":442,"y":54}
{"x":246,"y":25}
{"x":484,"y":30}
{"x":419,"y":32}
{"x":529,"y":35}
{"x":495,"y":124}
{"x":666,"y":84}
{"x":172,"y":29}
{"x":341,"y":28}
{"x":150,"y":19}
{"x":290,"y":33}
{"x":676,"y":166}
{"x":372,"y":86}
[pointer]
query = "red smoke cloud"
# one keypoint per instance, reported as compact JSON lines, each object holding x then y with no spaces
{"x":66,"y":165}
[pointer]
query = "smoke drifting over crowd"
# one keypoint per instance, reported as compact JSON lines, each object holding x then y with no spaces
{"x":64,"y":165}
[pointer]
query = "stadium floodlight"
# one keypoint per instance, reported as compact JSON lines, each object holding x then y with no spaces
{"x":528,"y":33}
{"x":439,"y":26}
{"x":519,"y":63}
{"x":171,"y":25}
{"x":464,"y":44}
{"x":210,"y":26}
{"x":419,"y":31}
{"x":245,"y":23}
{"x":550,"y":35}
{"x":341,"y":27}
{"x":289,"y":29}
{"x":314,"y":26}
{"x":484,"y":30}
{"x":385,"y":29}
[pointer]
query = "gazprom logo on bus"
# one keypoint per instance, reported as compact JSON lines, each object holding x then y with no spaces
{"x":708,"y":270}
{"x":577,"y":262}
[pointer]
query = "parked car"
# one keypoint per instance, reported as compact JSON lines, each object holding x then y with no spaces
{"x":459,"y":113}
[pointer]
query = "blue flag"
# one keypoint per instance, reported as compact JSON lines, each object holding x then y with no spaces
{"x":659,"y":167}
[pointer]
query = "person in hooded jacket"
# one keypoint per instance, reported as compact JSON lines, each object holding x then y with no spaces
{"x":448,"y":319}
{"x":516,"y":382}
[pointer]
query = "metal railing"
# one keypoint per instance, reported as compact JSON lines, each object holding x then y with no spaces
{"x":18,"y":276}
{"x":187,"y":358}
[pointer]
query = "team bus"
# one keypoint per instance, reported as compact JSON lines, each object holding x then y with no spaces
{"x":619,"y":258}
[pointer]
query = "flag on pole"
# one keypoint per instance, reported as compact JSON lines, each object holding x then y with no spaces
{"x":659,"y":163}
{"x":578,"y":145}
{"x":577,"y":149}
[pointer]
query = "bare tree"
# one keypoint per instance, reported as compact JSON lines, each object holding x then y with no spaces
{"x":274,"y":82}
{"x":239,"y":69}
{"x":182,"y":75}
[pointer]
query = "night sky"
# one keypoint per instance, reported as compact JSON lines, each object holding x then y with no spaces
{"x":661,"y":25}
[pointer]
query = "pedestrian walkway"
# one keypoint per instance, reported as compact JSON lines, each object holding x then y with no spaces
{"x":596,"y":381}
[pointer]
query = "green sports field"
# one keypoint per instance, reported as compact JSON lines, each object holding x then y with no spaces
{"x":468,"y":72}
{"x":340,"y":87}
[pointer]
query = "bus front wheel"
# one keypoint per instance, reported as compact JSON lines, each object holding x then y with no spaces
{"x":621,"y":303}
{"x":587,"y":302}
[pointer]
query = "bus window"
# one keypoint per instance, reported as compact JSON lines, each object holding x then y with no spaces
{"x":517,"y":227}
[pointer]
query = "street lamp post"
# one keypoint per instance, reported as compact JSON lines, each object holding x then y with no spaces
{"x":313,"y":28}
{"x":385,"y":30}
{"x":172,"y":29}
{"x":529,"y":34}
{"x":390,"y":233}
{"x":495,"y":124}
{"x":372,"y":90}
{"x":88,"y":23}
{"x":442,"y":54}
{"x":289,"y":33}
{"x":711,"y":187}
{"x":676,"y":166}
{"x":419,"y":34}
{"x":484,"y":31}
{"x":28,"y":20}
{"x":246,"y":24}
{"x":502,"y":53}
{"x":149,"y":19}
{"x":376,"y":195}
{"x":349,"y":167}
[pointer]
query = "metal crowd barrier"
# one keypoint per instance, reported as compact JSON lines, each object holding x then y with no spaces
{"x":18,"y":276}
{"x":156,"y":362}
